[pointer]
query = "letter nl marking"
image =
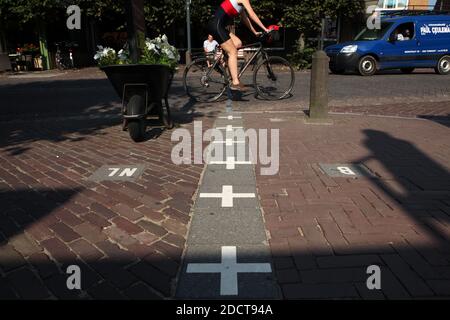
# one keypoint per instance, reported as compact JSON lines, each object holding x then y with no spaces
{"x":118,"y":173}
{"x":338,"y":170}
{"x":229,"y":269}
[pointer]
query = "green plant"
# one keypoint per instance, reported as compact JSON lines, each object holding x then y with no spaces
{"x":155,"y":51}
{"x":159,"y":51}
{"x":301,"y":58}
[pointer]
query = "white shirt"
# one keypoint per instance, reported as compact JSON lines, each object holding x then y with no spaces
{"x":210,"y":46}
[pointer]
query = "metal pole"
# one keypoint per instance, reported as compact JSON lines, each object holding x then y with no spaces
{"x":322,"y":35}
{"x":188,"y":23}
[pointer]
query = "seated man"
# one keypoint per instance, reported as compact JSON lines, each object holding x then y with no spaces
{"x":209,"y":46}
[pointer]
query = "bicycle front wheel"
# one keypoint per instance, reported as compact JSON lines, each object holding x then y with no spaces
{"x":274,"y":78}
{"x":203,"y":83}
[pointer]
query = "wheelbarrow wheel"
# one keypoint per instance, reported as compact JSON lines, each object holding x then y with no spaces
{"x":165,"y":116}
{"x":136,"y":128}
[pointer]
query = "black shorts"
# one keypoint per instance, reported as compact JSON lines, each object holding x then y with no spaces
{"x":217,"y":27}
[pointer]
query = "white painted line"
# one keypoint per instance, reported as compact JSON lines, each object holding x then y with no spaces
{"x":231,"y":163}
{"x":229,"y":128}
{"x":227,"y":196}
{"x":230,"y":117}
{"x":229,"y":269}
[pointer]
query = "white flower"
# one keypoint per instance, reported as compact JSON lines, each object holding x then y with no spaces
{"x":122,"y":54}
{"x":164,"y":38}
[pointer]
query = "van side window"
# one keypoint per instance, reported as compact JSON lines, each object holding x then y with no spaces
{"x":404,"y":32}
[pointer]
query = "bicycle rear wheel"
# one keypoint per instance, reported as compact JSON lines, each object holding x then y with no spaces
{"x":274,"y":78}
{"x":202,"y":83}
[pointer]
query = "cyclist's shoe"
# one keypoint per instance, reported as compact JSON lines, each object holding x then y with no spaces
{"x":240,"y":87}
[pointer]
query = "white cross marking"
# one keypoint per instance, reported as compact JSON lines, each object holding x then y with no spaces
{"x":227,"y":196}
{"x":230,"y":117}
{"x":231,"y":163}
{"x":229,"y":128}
{"x":229,"y":269}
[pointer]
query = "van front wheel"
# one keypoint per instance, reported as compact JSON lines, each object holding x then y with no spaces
{"x":443,"y":66}
{"x":367,"y":66}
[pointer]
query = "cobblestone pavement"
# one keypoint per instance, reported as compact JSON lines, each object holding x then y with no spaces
{"x":128,"y":237}
{"x":438,"y":111}
{"x":325,"y":231}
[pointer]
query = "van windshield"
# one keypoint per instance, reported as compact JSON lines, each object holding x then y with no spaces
{"x":373,"y":34}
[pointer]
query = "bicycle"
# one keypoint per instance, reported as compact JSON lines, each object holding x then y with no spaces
{"x":273,"y":76}
{"x":64,"y":60}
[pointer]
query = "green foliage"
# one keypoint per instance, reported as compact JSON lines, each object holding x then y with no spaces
{"x":306,"y":15}
{"x":301,"y":58}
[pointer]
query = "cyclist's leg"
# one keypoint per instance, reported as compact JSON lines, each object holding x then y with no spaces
{"x":237,"y":42}
{"x":231,"y":51}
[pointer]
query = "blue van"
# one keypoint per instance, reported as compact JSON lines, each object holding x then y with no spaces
{"x":402,"y":42}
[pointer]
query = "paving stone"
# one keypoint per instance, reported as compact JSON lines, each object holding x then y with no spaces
{"x":42,"y":263}
{"x":153,"y":277}
{"x":127,"y":226}
{"x":140,"y":291}
{"x":85,"y":250}
{"x":64,"y":232}
{"x":105,"y":291}
{"x":91,"y":233}
{"x":152,"y":228}
{"x":116,"y":274}
{"x":10,"y":258}
{"x":27,"y":284}
{"x":6,"y":291}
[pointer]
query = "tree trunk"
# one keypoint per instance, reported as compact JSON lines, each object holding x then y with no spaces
{"x":135,"y":28}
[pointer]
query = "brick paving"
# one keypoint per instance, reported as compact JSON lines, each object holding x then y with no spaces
{"x":127,"y":237}
{"x":324,"y":232}
{"x":437,"y":111}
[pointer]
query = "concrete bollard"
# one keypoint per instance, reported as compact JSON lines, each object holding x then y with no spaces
{"x":318,"y":106}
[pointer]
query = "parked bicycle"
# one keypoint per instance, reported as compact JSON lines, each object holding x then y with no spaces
{"x":64,"y":55}
{"x":273,"y":77}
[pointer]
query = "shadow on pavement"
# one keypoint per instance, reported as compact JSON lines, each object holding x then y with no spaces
{"x":443,"y":120}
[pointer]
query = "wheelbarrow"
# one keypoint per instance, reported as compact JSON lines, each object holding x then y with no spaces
{"x":143,"y":89}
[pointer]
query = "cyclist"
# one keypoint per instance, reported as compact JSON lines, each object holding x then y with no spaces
{"x":227,"y":11}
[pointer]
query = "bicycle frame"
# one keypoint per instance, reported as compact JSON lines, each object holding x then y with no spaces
{"x":260,"y":50}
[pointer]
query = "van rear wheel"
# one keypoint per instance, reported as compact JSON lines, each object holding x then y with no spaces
{"x":367,"y":66}
{"x":443,"y":66}
{"x":407,"y":70}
